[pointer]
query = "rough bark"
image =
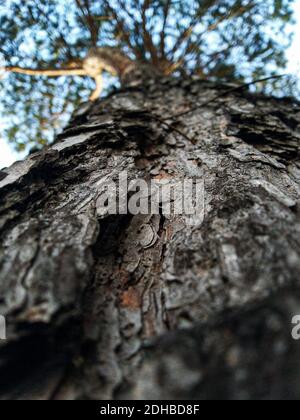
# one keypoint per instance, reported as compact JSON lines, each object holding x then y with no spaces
{"x":97,"y":310}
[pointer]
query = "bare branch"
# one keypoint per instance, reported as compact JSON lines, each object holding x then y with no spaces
{"x":162,"y":33}
{"x":51,"y":72}
{"x":148,"y":41}
{"x":99,"y":86}
{"x":89,"y":21}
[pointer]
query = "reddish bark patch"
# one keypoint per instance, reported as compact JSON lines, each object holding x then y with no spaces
{"x":131,"y":299}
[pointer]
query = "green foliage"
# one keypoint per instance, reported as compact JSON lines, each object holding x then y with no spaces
{"x":223,"y":40}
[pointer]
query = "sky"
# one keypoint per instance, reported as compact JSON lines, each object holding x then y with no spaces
{"x":293,"y":54}
{"x":8,"y":156}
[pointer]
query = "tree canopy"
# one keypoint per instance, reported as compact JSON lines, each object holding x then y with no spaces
{"x":217,"y":39}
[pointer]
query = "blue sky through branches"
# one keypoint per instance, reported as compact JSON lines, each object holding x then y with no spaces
{"x":8,"y":155}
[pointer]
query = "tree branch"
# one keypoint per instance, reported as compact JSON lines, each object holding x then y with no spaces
{"x":148,"y":41}
{"x":99,"y":86}
{"x":92,"y":24}
{"x":46,"y":72}
{"x":162,"y":33}
{"x":89,"y":20}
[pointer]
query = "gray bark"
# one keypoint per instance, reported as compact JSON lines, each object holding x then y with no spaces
{"x":95,"y":310}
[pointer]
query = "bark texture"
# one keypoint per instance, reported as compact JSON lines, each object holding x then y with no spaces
{"x":151,"y":306}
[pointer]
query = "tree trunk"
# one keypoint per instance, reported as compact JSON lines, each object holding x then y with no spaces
{"x":95,"y":309}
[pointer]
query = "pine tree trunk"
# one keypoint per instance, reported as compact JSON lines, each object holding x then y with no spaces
{"x":154,"y":307}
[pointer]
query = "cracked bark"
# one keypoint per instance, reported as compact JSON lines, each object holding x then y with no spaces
{"x":94,"y":311}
